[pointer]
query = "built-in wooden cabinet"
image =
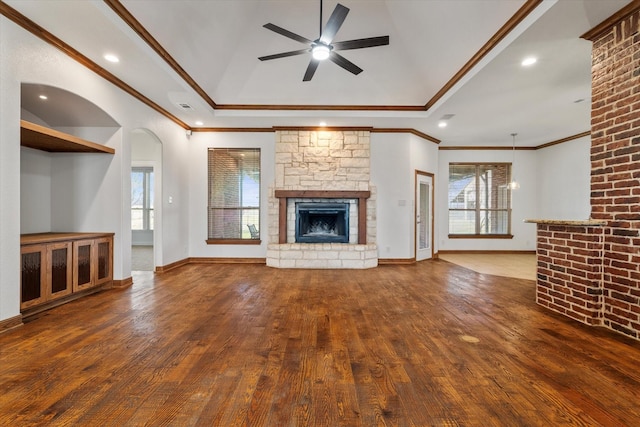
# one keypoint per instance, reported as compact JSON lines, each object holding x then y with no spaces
{"x":59,"y":265}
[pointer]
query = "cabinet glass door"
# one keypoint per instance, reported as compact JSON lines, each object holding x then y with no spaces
{"x":60,"y":281}
{"x":33,"y":276}
{"x":104,"y":273}
{"x":83,"y":265}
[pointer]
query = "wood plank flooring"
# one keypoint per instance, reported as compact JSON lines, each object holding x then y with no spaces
{"x":430,"y":344}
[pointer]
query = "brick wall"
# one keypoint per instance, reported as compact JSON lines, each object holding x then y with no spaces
{"x":615,"y":168}
{"x":570,"y":271}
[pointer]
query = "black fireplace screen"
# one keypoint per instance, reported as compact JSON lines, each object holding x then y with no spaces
{"x":318,"y":222}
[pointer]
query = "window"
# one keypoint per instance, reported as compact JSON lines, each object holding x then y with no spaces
{"x":234,"y":195}
{"x":479,"y":200}
{"x":142,"y":198}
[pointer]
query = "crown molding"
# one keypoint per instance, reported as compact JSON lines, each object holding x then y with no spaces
{"x":537,"y":147}
{"x":407,"y":130}
{"x":567,"y":139}
{"x":45,"y":35}
{"x":596,"y":31}
{"x":484,"y":147}
{"x":319,"y":129}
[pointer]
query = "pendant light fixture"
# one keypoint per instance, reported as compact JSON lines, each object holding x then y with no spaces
{"x":513,"y":185}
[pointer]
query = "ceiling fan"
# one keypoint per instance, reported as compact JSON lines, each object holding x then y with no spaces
{"x":323,"y":48}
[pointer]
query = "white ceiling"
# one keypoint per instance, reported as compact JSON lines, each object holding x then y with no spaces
{"x":217,"y":42}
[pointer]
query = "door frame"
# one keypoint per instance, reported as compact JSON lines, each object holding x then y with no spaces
{"x":418,"y":174}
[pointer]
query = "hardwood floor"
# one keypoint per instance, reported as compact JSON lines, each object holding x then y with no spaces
{"x":430,"y":344}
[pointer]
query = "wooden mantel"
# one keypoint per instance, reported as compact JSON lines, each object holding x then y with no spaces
{"x":362,"y":197}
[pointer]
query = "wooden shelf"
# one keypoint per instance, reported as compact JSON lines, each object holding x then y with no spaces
{"x":53,"y":141}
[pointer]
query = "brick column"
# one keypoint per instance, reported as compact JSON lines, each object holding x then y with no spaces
{"x":615,"y":164}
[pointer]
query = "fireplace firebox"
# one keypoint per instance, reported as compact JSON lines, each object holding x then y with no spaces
{"x":319,"y":222}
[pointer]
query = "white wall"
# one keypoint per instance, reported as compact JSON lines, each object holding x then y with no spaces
{"x":89,"y":192}
{"x":198,"y":188}
{"x":35,"y":194}
{"x":9,"y":177}
{"x":564,"y":180}
{"x":524,"y":203}
{"x":392,"y":176}
{"x":395,"y":157}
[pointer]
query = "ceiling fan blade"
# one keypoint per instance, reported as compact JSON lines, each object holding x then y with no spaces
{"x":361,"y":43}
{"x":284,"y":54}
{"x":311,"y":70}
{"x":334,"y":23}
{"x":286,"y":33}
{"x":345,"y":63}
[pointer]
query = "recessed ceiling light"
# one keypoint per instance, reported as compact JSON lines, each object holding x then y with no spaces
{"x":442,"y":124}
{"x":111,"y":58}
{"x":199,"y":123}
{"x":43,"y":97}
{"x":529,"y":61}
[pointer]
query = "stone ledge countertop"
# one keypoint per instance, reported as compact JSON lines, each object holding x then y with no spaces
{"x":578,"y":222}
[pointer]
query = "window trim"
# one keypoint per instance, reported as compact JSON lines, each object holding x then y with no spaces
{"x":232,"y":241}
{"x":477,"y":210}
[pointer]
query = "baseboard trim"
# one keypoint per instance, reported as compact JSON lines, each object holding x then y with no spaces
{"x":10,"y":323}
{"x":124,"y":283}
{"x":487,"y":252}
{"x":172,"y":266}
{"x":396,"y":261}
{"x":202,"y":260}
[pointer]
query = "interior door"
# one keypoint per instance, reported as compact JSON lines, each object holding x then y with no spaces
{"x":424,"y":215}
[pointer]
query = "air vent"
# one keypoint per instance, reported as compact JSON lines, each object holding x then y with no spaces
{"x":447,"y":116}
{"x":185,"y":106}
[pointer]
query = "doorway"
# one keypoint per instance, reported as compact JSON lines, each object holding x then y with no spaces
{"x":424,"y":215}
{"x":142,"y":218}
{"x":146,"y":200}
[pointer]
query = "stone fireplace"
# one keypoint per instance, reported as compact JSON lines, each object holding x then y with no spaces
{"x":322,"y":208}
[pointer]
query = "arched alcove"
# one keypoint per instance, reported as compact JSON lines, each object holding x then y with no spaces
{"x":58,"y":108}
{"x":63,"y":191}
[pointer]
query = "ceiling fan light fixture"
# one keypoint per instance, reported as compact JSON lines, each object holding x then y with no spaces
{"x":320,"y":52}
